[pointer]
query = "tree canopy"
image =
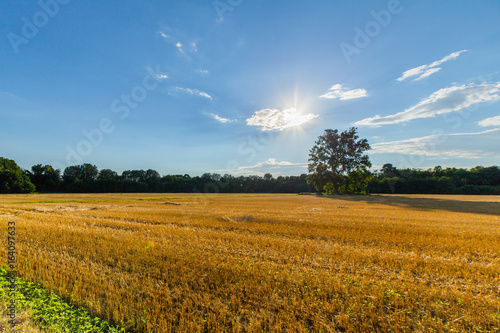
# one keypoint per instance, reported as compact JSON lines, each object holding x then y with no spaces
{"x":477,"y":180}
{"x":389,"y":179}
{"x":337,"y":163}
{"x":44,"y":177}
{"x":12,"y":178}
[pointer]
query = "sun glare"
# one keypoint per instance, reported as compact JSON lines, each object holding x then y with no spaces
{"x":296,"y":111}
{"x":292,"y":117}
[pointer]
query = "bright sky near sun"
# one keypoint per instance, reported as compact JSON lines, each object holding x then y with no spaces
{"x":247,"y":86}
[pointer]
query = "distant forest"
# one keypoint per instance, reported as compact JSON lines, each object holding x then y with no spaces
{"x":87,"y":178}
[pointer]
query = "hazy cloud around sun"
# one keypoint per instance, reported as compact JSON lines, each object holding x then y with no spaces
{"x":274,"y":119}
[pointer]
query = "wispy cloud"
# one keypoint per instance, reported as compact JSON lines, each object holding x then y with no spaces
{"x":270,"y":166}
{"x":274,"y":119}
{"x":426,"y":70}
{"x":203,"y":71}
{"x":445,"y":100}
{"x":164,"y":35}
{"x":194,"y":92}
{"x":489,"y":122}
{"x":337,"y":91}
{"x":179,"y":48}
{"x":194,"y":46}
{"x":443,"y":146}
{"x":221,"y":119}
{"x":156,"y":73}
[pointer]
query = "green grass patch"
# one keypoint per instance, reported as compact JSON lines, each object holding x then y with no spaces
{"x":49,"y":311}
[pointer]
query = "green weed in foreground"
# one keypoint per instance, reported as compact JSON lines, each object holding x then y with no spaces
{"x":49,"y":311}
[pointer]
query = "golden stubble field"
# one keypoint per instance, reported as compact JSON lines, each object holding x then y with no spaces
{"x":277,"y":263}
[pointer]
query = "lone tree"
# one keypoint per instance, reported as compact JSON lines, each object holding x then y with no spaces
{"x":337,"y":164}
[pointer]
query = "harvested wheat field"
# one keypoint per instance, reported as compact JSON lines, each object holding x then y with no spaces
{"x":266,"y":263}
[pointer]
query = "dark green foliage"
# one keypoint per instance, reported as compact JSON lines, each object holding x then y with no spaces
{"x":337,"y":163}
{"x":107,"y":175}
{"x":80,"y":178}
{"x":51,"y":312}
{"x":45,"y":178}
{"x":85,"y":173}
{"x":478,"y":180}
{"x":136,"y":181}
{"x":12,"y":178}
{"x":87,"y":178}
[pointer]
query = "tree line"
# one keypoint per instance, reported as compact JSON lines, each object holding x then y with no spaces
{"x":477,"y":180}
{"x":87,"y":178}
{"x":337,"y":165}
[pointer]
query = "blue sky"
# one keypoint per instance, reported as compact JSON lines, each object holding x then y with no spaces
{"x":246,"y":87}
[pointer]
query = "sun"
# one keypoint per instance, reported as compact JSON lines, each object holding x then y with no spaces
{"x":292,"y":117}
{"x":296,"y":109}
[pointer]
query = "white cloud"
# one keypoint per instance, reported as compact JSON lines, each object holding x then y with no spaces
{"x":274,"y":119}
{"x":220,"y":119}
{"x":156,"y":73}
{"x":493,"y":121}
{"x":203,"y":94}
{"x":179,"y":47}
{"x":195,"y":92}
{"x":336,"y":91}
{"x":445,"y":100}
{"x":426,"y":70}
{"x":270,"y":166}
{"x":202,"y":71}
{"x":442,"y":145}
{"x":164,"y":35}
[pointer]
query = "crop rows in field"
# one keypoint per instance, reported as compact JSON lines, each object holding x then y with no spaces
{"x":284,"y":263}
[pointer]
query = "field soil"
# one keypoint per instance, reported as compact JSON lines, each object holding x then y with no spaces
{"x":265,"y":262}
